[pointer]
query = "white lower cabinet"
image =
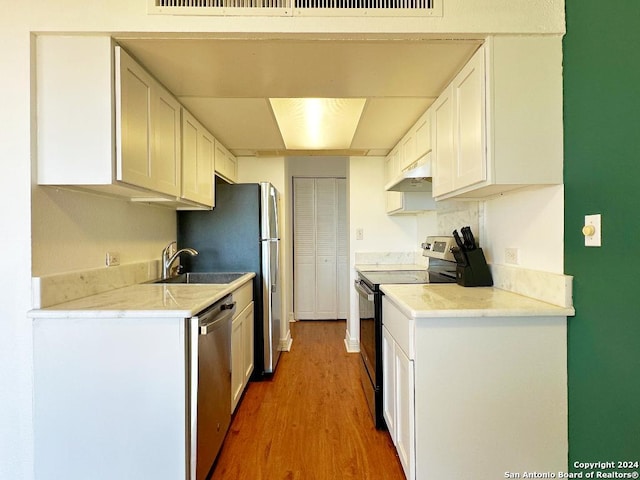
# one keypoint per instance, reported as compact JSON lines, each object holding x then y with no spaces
{"x":405,"y":412}
{"x":388,"y":373}
{"x":111,"y":397}
{"x":398,"y":401}
{"x":475,"y":396}
{"x":241,"y":353}
{"x":242,"y":342}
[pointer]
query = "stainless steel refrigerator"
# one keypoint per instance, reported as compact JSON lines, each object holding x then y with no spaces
{"x":241,"y":235}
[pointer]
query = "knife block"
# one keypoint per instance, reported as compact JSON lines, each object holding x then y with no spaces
{"x":475,"y":271}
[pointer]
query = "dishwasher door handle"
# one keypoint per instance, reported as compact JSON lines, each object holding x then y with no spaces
{"x":226,"y":311}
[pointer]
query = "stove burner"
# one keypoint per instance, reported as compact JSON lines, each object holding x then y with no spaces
{"x":375,"y":278}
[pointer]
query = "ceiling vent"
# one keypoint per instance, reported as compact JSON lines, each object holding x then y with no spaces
{"x":360,"y":8}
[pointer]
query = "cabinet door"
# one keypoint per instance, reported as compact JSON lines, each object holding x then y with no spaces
{"x":204,"y":168}
{"x":405,"y":411}
{"x":197,"y":159}
{"x":241,"y":353}
{"x":388,"y":391}
{"x":423,"y":135}
{"x":233,"y":167}
{"x":247,"y":343}
{"x":237,"y":368}
{"x":133,"y":122}
{"x":408,"y":149}
{"x":469,"y":120}
{"x":225,"y":163}
{"x":394,"y":201}
{"x":443,"y":146}
{"x":190,"y":132}
{"x":165,"y":154}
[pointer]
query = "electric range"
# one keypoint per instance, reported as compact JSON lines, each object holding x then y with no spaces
{"x":442,"y":269}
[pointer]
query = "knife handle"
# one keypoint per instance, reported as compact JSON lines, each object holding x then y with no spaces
{"x":458,"y":240}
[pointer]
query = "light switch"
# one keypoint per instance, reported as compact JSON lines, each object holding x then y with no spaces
{"x":592,"y":230}
{"x":359,"y":233}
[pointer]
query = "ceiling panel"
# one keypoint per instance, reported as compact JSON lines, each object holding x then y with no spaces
{"x":239,"y":123}
{"x":385,"y":120}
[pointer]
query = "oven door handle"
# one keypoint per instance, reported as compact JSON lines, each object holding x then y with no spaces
{"x":364,"y":290}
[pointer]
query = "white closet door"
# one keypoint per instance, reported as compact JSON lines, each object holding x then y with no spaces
{"x":326,"y":248}
{"x":304,"y":248}
{"x":343,"y":253}
{"x":320,"y":249}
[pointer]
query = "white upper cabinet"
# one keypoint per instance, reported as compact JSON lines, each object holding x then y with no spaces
{"x":110,"y":126}
{"x":417,"y":141}
{"x":423,"y":134}
{"x":443,"y":149}
{"x":498,"y":125}
{"x":394,"y":200}
{"x":147,"y":129}
{"x":468,"y":92}
{"x":459,"y":130}
{"x":409,"y":150}
{"x":133,"y":122}
{"x":226,"y":165}
{"x":198,"y":149}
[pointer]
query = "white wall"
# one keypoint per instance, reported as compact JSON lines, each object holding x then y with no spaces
{"x":73,"y":231}
{"x":16,"y":365}
{"x":531,"y":221}
{"x":317,"y":166}
{"x":16,"y":25}
{"x":381,"y":232}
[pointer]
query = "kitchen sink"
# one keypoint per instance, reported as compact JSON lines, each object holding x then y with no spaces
{"x":203,"y":277}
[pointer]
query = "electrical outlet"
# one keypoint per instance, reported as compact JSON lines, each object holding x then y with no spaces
{"x":112,"y":259}
{"x":511,"y":256}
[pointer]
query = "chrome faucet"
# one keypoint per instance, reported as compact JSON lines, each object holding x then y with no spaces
{"x":168,"y":259}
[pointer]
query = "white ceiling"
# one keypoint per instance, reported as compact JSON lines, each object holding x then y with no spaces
{"x":227,"y":83}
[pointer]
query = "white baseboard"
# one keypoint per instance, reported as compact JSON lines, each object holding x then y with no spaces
{"x":351,"y":344}
{"x":285,"y":343}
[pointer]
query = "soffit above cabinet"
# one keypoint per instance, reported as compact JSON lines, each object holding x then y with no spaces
{"x":226,"y":83}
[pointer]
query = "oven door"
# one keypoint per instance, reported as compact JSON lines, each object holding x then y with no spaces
{"x":370,"y":312}
{"x":367,"y":313}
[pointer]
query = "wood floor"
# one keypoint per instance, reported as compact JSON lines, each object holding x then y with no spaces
{"x":310,"y":422}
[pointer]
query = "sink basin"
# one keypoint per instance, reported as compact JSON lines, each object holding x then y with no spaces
{"x":203,"y":277}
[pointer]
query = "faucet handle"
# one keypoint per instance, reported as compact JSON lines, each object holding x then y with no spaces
{"x":169,"y":249}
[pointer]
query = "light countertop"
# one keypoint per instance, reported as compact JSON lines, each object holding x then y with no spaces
{"x":452,"y":300}
{"x":144,"y":300}
{"x":392,"y":267}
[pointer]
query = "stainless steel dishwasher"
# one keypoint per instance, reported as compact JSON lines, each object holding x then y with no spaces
{"x":210,"y":384}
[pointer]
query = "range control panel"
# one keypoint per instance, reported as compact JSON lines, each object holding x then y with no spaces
{"x":439,"y":247}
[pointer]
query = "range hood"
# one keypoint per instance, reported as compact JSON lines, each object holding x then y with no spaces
{"x":415,"y":178}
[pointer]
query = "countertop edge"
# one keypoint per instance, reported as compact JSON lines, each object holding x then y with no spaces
{"x":540,"y":309}
{"x":66,"y":309}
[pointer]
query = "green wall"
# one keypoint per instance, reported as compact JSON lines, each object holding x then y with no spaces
{"x":602,"y":175}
